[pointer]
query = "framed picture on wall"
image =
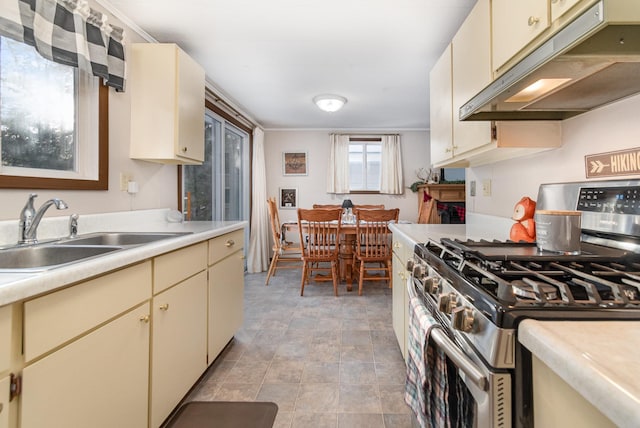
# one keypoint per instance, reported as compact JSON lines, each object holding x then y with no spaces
{"x":289,"y":198}
{"x":294,"y":163}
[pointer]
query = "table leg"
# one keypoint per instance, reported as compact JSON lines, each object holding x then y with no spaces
{"x":346,"y":260}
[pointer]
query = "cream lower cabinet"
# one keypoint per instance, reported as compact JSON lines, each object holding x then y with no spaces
{"x":402,"y":250}
{"x":99,"y":380}
{"x":226,"y":290}
{"x":5,"y":364}
{"x":179,"y":344}
{"x":5,"y":384}
{"x":179,"y":332}
{"x":557,"y":404}
{"x":86,"y":351}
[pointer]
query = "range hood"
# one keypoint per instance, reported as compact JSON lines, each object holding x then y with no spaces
{"x":591,"y":62}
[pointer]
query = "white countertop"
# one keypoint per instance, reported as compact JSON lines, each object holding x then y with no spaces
{"x":19,"y":286}
{"x":599,"y":359}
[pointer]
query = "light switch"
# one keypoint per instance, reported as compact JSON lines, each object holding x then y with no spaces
{"x":486,"y":187}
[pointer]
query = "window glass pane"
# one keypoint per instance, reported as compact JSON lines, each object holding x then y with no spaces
{"x":198,"y":181}
{"x":37,"y":110}
{"x":373,"y":166}
{"x":356,"y":166}
{"x":233,"y":206}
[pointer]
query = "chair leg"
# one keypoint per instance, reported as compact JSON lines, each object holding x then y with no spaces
{"x":361,"y":279}
{"x":389,"y":273}
{"x":304,"y":277}
{"x":334,"y":275}
{"x":272,"y":267}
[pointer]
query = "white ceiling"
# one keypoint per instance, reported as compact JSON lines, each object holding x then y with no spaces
{"x":272,"y":57}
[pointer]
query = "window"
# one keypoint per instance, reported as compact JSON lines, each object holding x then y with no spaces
{"x":364,"y":164}
{"x":53,"y":123}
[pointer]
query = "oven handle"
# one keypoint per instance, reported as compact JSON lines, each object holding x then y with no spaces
{"x":453,"y":352}
{"x":459,"y":359}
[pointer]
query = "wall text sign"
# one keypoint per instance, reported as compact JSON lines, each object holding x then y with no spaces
{"x":610,"y":164}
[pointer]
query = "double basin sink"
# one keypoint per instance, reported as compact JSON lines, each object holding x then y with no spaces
{"x":66,"y":251}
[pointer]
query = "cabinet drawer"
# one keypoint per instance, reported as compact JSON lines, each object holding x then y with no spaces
{"x":222,"y":246}
{"x":52,"y":320}
{"x":5,"y":338}
{"x":171,"y":268}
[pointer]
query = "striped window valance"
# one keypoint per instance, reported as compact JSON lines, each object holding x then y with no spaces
{"x":68,"y":32}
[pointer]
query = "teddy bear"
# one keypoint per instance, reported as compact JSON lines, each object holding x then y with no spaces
{"x":524,"y":229}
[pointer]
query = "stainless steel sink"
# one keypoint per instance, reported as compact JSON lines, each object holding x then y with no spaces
{"x":121,"y":238}
{"x":43,"y":257}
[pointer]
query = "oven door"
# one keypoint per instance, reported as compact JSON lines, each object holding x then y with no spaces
{"x":490,"y":388}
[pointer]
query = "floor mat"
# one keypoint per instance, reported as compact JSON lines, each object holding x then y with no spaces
{"x":223,"y":414}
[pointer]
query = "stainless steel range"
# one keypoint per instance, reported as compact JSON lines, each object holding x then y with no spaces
{"x":479,"y":291}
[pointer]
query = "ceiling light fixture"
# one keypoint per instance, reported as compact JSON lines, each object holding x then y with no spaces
{"x":329,"y":103}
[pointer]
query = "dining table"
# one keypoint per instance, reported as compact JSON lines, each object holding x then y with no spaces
{"x":347,"y":243}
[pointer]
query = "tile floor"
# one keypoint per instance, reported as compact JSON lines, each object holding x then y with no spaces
{"x":326,"y":361}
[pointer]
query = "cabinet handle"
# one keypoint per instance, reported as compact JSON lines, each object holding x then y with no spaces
{"x":533,"y":21}
{"x":164,"y":307}
{"x":184,"y":149}
{"x":229,"y":243}
{"x":145,"y":319}
{"x":1,"y":407}
{"x":397,"y":245}
{"x":448,"y":150}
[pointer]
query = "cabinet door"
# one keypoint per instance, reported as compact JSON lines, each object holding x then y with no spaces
{"x":471,"y":72}
{"x":515,"y":24}
{"x":4,"y":402}
{"x":179,"y":354}
{"x":226,"y":294}
{"x":5,"y":338}
{"x":441,"y":114}
{"x":399,"y":303}
{"x":190,"y":108}
{"x":559,"y":7}
{"x":100,"y":380}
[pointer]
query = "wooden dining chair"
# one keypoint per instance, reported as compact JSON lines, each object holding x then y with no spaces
{"x":286,"y":255}
{"x":373,"y":244}
{"x":368,"y":207}
{"x":326,"y":206}
{"x":321,"y":228}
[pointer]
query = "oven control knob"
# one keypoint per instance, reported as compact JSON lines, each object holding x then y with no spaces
{"x":419,"y":272}
{"x":431,"y":284}
{"x":462,"y":319}
{"x":446,"y":302}
{"x":410,"y":264}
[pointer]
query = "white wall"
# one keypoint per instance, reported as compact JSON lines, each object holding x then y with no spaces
{"x":312,"y":187}
{"x":609,"y":128}
{"x":157,"y":182}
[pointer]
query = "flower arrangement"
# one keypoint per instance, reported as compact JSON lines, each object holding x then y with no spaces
{"x":425,"y":175}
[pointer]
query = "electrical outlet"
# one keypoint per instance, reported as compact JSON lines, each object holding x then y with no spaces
{"x":486,"y":187}
{"x":472,"y":188}
{"x":124,"y":181}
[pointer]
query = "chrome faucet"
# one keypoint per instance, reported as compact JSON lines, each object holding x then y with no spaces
{"x":30,"y":218}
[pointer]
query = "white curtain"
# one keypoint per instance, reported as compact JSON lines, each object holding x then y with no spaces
{"x":391,"y":174}
{"x":258,"y":254}
{"x":338,"y":171}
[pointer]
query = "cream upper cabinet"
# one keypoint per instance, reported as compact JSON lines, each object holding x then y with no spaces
{"x":441,"y":113}
{"x":559,"y":7}
{"x":474,"y":143}
{"x":226,"y":290}
{"x":167,"y":104}
{"x":515,"y":24}
{"x":471,"y":72}
{"x":179,"y":343}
